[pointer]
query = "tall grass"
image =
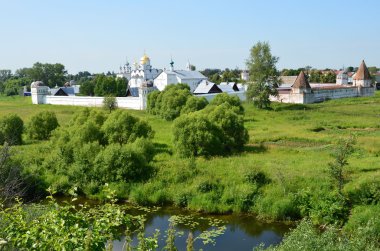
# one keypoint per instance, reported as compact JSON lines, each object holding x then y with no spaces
{"x":290,"y":144}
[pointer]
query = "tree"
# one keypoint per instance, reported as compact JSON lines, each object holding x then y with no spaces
{"x":263,"y":74}
{"x":194,"y":104}
{"x":232,"y":100}
{"x":169,"y":103}
{"x":121,"y":127}
{"x":11,"y":129}
{"x":41,"y":125}
{"x":5,"y":75}
{"x":343,"y":150}
{"x":87,"y":86}
{"x":231,"y":124}
{"x":260,"y":92}
{"x":195,"y":135}
{"x":13,"y":86}
{"x":109,"y":103}
{"x":50,"y":74}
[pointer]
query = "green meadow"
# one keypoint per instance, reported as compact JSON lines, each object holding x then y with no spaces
{"x":282,"y":174}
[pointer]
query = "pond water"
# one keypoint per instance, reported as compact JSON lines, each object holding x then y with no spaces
{"x":243,"y":232}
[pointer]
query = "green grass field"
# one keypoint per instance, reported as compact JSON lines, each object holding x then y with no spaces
{"x":290,"y":144}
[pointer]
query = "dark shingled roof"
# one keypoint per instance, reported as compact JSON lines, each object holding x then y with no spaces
{"x":301,"y":81}
{"x":362,"y":73}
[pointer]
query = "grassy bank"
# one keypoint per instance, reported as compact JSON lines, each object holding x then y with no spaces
{"x":282,"y":173}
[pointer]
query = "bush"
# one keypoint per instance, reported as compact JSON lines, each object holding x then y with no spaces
{"x":231,"y":125}
{"x":232,"y":100}
{"x":109,"y":103}
{"x":121,"y":127}
{"x":41,"y":125}
{"x":120,"y":163}
{"x":195,"y":135}
{"x":216,"y":130}
{"x":11,"y":129}
{"x":169,"y":103}
{"x":194,"y":104}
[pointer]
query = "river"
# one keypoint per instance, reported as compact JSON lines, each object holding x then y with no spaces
{"x":243,"y":232}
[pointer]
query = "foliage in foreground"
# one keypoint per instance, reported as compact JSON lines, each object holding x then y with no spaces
{"x":69,"y":227}
{"x":307,"y":238}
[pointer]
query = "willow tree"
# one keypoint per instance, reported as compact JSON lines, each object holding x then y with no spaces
{"x":263,"y":75}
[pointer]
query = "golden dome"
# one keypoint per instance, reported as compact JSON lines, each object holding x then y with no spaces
{"x":144,"y":59}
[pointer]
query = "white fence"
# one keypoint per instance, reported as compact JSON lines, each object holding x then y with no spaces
{"x":210,"y":96}
{"x":122,"y":102}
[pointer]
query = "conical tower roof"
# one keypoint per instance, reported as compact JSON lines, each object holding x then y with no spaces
{"x":301,"y":81}
{"x":362,"y":73}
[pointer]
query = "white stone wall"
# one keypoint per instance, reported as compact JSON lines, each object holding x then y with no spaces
{"x":211,"y":96}
{"x":319,"y":95}
{"x":123,"y":102}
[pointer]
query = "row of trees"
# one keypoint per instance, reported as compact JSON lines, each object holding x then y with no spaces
{"x":227,"y":75}
{"x":56,"y":75}
{"x":102,"y":85}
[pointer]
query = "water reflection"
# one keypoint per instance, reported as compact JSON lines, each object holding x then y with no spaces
{"x":242,"y":232}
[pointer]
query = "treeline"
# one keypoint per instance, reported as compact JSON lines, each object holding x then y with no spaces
{"x":53,"y":75}
{"x":227,"y":75}
{"x":102,"y":85}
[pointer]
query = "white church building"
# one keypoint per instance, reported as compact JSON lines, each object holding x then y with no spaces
{"x":172,"y":76}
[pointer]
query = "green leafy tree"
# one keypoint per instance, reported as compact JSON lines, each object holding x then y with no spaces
{"x":169,"y":103}
{"x":110,"y":103}
{"x":194,"y":104}
{"x":153,"y":102}
{"x":260,"y":93}
{"x":263,"y":74}
{"x":11,"y":129}
{"x":14,"y":86}
{"x":87,"y":86}
{"x":120,"y":163}
{"x":232,"y":100}
{"x":41,"y":125}
{"x":343,"y":150}
{"x":121,"y":127}
{"x":50,"y":74}
{"x":231,"y":124}
{"x":195,"y":135}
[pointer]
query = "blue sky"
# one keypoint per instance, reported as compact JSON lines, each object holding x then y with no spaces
{"x":98,"y":35}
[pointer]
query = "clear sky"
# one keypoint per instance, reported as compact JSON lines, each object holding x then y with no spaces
{"x":97,"y":35}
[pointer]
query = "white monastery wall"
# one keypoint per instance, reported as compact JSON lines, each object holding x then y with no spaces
{"x":122,"y":102}
{"x":211,"y":96}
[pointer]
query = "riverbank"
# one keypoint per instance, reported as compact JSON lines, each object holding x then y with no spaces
{"x":282,"y":174}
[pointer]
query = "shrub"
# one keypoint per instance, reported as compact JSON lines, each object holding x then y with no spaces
{"x":232,"y":100}
{"x":120,"y":163}
{"x":257,"y":177}
{"x":194,"y":104}
{"x":11,"y":129}
{"x":169,"y":103}
{"x":109,"y":103}
{"x":360,"y":216}
{"x":121,"y":127}
{"x":41,"y":125}
{"x":195,"y":135}
{"x":231,"y":125}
